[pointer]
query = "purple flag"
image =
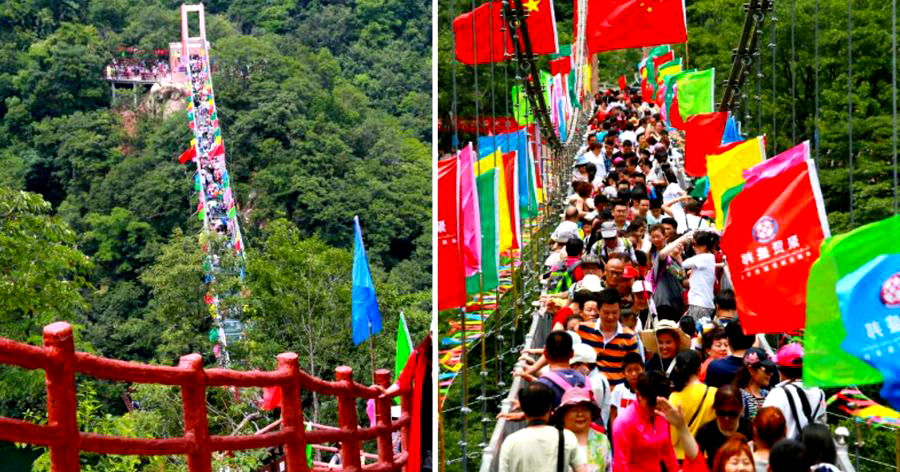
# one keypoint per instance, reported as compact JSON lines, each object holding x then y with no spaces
{"x":469,"y":212}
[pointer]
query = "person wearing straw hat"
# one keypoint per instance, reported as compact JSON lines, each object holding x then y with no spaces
{"x":664,"y":342}
{"x":576,"y":413}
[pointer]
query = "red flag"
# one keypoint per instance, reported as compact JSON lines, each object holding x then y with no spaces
{"x":562,"y":65}
{"x":488,"y":42}
{"x":660,"y":60}
{"x":622,"y":24}
{"x":674,"y":115}
{"x":646,"y":91}
{"x":661,"y":97}
{"x":271,"y":398}
{"x":702,"y":137}
{"x":772,"y":237}
{"x":709,"y":208}
{"x":510,"y":168}
{"x":217,"y":151}
{"x":541,"y":23}
{"x":623,"y":83}
{"x":188,"y":155}
{"x":451,"y":286}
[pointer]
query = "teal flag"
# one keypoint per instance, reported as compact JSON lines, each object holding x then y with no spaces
{"x":488,"y":203}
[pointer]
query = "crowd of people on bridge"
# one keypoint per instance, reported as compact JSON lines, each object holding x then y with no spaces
{"x":138,"y":69}
{"x":647,"y":367}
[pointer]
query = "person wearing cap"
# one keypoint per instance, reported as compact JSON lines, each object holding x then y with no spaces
{"x":536,"y":447}
{"x":800,"y":405}
{"x":664,"y":342}
{"x":722,"y":371}
{"x":612,"y":243}
{"x":576,"y":413}
{"x":585,"y":361}
{"x":580,"y":173}
{"x":754,"y":379}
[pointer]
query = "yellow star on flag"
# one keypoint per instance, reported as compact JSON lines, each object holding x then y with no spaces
{"x":532,"y":5}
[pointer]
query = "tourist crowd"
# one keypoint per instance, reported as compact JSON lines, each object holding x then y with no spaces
{"x":647,"y":367}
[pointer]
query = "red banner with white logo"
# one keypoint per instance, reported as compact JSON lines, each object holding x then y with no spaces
{"x":772,"y":237}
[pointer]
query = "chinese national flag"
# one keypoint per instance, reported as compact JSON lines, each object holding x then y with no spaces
{"x":488,"y":41}
{"x":772,"y":237}
{"x":702,"y":137}
{"x":622,"y":24}
{"x":188,"y":155}
{"x":541,"y":22}
{"x":646,"y":91}
{"x":451,"y":285}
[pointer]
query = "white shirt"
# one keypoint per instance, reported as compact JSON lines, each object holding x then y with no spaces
{"x":703,"y":279}
{"x":622,"y":397}
{"x":602,"y":394}
{"x":778,"y":398}
{"x":687,"y":221}
{"x":535,"y":448}
{"x":628,"y":136}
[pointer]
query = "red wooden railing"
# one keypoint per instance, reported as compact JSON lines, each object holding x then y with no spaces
{"x":60,"y":363}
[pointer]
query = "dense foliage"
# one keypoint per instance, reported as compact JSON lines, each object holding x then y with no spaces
{"x":325,"y":111}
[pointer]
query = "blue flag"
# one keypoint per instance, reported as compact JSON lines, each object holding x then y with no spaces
{"x":366,"y":315}
{"x":732,"y":132}
{"x":869,"y":299}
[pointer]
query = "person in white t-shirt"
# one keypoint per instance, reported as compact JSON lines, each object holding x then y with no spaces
{"x":800,"y":405}
{"x":536,"y":447}
{"x":625,"y":393}
{"x":688,"y":217}
{"x":568,"y":228}
{"x":702,"y":268}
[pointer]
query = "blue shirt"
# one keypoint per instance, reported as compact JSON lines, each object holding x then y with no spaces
{"x":722,"y":371}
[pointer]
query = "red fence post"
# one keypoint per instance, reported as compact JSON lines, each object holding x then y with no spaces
{"x":347,"y":421}
{"x":196,"y":423}
{"x":62,"y":407}
{"x":292,"y":413}
{"x":405,"y":436}
{"x":383,"y":419}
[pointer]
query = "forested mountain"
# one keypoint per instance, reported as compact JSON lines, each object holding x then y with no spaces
{"x":325,"y":108}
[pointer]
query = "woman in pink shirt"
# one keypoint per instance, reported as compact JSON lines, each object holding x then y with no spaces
{"x":641,"y":440}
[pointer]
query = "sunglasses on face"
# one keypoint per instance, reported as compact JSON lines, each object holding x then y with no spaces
{"x":728,"y":413}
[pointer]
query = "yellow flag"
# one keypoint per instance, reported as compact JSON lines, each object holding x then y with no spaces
{"x":726,"y":170}
{"x":495,"y":161}
{"x":586,"y":78}
{"x":667,"y":71}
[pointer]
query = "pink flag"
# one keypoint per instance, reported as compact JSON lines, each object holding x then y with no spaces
{"x":469,"y":212}
{"x":772,"y":167}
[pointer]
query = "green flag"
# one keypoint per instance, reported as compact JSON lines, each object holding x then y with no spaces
{"x":728,"y":196}
{"x":564,"y":50}
{"x":670,"y":82}
{"x":521,"y":107}
{"x":490,"y":234}
{"x":701,"y":187}
{"x":825,"y":363}
{"x":651,"y":71}
{"x":404,"y":346}
{"x":696,"y":92}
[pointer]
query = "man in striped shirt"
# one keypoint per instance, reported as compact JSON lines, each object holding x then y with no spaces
{"x":608,"y":337}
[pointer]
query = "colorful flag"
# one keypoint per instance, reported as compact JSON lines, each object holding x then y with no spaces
{"x":826,"y":363}
{"x":510,"y":174}
{"x":787,"y":159}
{"x":726,"y":170}
{"x":702,"y":137}
{"x":469,"y":214}
{"x":521,"y":106}
{"x":451,"y":283}
{"x":622,"y":24}
{"x":668,"y":69}
{"x":504,"y":211}
{"x":404,"y":346}
{"x":479,"y":36}
{"x":188,"y":155}
{"x":490,"y":232}
{"x":869,"y":299}
{"x":772,"y":237}
{"x":696,"y":92}
{"x":365,"y":313}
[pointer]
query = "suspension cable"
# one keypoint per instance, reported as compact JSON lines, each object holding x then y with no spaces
{"x":816,"y":68}
{"x":793,"y":69}
{"x":894,"y":92}
{"x":850,"y":104}
{"x":774,"y":46}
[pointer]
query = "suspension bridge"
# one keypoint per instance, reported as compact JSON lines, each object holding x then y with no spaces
{"x":482,"y":335}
